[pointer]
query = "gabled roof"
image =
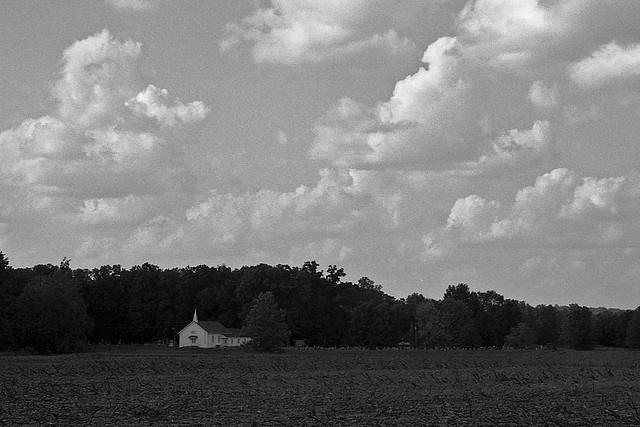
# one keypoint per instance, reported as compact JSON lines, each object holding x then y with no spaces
{"x":213,"y":327}
{"x":235,"y":332}
{"x":179,"y":332}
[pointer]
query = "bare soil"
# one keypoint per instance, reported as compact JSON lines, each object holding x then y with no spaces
{"x":159,"y":386}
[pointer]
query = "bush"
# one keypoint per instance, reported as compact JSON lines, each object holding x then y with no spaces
{"x":520,"y":337}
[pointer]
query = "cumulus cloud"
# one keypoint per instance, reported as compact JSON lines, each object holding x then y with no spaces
{"x":542,"y":96}
{"x":491,"y":19}
{"x":514,"y":150}
{"x":508,"y":34}
{"x":533,"y":265}
{"x":31,"y":150}
{"x":609,"y":63}
{"x":91,"y":146}
{"x":297,"y":31}
{"x":158,"y":235}
{"x":419,"y":122}
{"x":98,"y":76}
{"x":537,"y":37}
{"x":94,"y":248}
{"x":557,"y":210}
{"x":283,"y":139}
{"x":116,"y":211}
{"x":436,"y":119}
{"x":133,"y":5}
{"x":332,"y":205}
{"x":92,"y":165}
{"x":324,"y":220}
{"x":595,"y":196}
{"x":152,"y":103}
{"x":328,"y":248}
{"x":505,"y":94}
{"x":468,"y":110}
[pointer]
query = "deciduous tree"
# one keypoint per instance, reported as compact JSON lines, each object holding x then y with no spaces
{"x":520,"y":337}
{"x":577,"y":331}
{"x":431,"y":330}
{"x":633,"y":330}
{"x":266,"y":324}
{"x":51,"y":317}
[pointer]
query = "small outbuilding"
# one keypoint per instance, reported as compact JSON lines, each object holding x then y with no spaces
{"x":209,"y":334}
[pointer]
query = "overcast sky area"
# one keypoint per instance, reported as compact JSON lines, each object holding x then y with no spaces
{"x":420,"y":143}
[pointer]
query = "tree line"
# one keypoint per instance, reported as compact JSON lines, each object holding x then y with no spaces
{"x":53,"y":308}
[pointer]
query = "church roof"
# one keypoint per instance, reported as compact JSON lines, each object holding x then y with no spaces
{"x":213,"y":327}
{"x":235,"y":332}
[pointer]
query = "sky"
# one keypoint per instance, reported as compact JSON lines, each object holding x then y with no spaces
{"x":420,"y":143}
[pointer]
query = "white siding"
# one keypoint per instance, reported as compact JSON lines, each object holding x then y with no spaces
{"x":206,"y":340}
{"x":236,"y":341}
{"x":191,"y":330}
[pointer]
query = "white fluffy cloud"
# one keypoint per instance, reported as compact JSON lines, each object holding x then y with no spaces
{"x":91,"y":145}
{"x":116,"y":211}
{"x":94,"y":248}
{"x":609,"y":63}
{"x":324,"y":220}
{"x":557,"y":210}
{"x":596,"y":197}
{"x":334,"y":204}
{"x":328,"y":248}
{"x":158,"y":235}
{"x":92,"y":164}
{"x":98,"y":76}
{"x":512,"y":151}
{"x":509,"y":34}
{"x":443,"y":162}
{"x":152,"y":103}
{"x":297,"y":31}
{"x":418,"y":124}
{"x":436,"y":119}
{"x":542,"y":96}
{"x":469,"y":110}
{"x":133,"y":5}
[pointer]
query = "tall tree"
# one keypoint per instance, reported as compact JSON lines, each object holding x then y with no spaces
{"x":547,"y":325}
{"x":577,"y":331}
{"x":144,"y":301}
{"x":490,"y":322}
{"x":460,"y":292}
{"x":458,"y":322}
{"x":266,"y":324}
{"x":377,"y":323}
{"x":509,"y":316}
{"x":4,"y":265}
{"x":412,"y":303}
{"x":605,"y":328}
{"x":633,"y":330}
{"x":107,"y":299}
{"x":431,"y":330}
{"x":51,"y":317}
{"x":10,"y":289}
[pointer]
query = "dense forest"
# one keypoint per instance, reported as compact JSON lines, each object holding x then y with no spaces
{"x":53,"y":309}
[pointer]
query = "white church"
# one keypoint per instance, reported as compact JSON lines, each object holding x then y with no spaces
{"x":209,"y":334}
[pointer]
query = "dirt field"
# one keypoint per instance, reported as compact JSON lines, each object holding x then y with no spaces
{"x":157,"y":386}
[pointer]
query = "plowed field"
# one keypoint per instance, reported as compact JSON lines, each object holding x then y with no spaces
{"x":322,"y":388}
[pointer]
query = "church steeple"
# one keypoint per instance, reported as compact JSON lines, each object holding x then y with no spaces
{"x":195,"y":315}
